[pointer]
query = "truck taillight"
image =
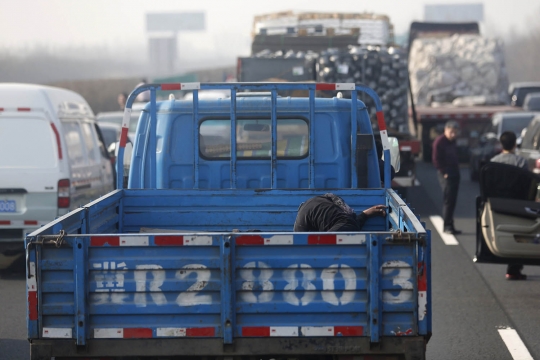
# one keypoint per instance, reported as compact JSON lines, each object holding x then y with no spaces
{"x":63,"y":193}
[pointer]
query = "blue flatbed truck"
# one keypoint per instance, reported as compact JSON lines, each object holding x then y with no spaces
{"x":196,"y":257}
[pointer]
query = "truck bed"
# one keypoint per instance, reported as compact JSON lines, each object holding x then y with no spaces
{"x":244,"y":278}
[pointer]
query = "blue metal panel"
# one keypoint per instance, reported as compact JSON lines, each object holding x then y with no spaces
{"x":323,"y":285}
{"x":233,"y":140}
{"x":195,"y":123}
{"x":311,"y":138}
{"x":227,"y":293}
{"x":80,"y":273}
{"x":354,"y":130}
{"x":273,"y":156}
{"x":152,"y":146}
{"x":374,"y":245}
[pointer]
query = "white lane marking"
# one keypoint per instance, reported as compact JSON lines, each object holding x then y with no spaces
{"x":438,"y":223}
{"x":416,"y":182}
{"x":515,"y":345}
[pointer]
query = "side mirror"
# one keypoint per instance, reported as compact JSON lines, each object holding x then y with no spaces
{"x":395,"y":159}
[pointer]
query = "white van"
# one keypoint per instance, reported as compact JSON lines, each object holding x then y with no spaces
{"x":52,"y":160}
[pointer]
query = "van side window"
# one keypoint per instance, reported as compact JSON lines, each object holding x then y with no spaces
{"x":254,"y":138}
{"x":74,"y":142}
{"x":90,"y":143}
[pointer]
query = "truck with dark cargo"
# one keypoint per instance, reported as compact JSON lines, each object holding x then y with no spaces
{"x":338,"y":48}
{"x":197,"y":257}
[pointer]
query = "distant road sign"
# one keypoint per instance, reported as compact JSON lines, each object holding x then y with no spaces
{"x":175,"y":22}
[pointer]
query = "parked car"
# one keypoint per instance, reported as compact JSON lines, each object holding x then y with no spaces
{"x":489,"y":144}
{"x":53,"y":160}
{"x":518,"y":90}
{"x":532,"y":102}
{"x":530,"y":146}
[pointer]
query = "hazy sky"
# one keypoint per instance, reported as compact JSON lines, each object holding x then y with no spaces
{"x":119,"y":24}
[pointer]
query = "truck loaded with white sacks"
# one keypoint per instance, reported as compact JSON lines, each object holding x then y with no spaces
{"x":337,"y":48}
{"x":455,"y":73}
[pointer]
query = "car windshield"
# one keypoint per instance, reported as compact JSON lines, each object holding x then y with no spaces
{"x":519,"y":94}
{"x":515,"y":124}
{"x":110,"y":135}
{"x":116,"y":118}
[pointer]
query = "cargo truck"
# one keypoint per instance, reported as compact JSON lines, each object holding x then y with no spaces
{"x":197,"y":258}
{"x":335,"y":48}
{"x":455,"y":74}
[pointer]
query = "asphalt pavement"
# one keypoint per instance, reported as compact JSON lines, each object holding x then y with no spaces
{"x":475,"y":309}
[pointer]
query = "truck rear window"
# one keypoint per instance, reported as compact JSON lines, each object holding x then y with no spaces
{"x":254,"y":138}
{"x":27,"y":143}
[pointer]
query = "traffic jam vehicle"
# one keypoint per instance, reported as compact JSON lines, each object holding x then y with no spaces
{"x":196,"y":257}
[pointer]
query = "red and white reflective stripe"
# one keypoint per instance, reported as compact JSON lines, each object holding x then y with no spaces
{"x":319,"y":239}
{"x":324,"y":239}
{"x":422,"y":291}
{"x":62,"y":333}
{"x":159,"y":240}
{"x":295,"y":331}
{"x":125,"y":127}
{"x":120,"y":333}
{"x":31,"y":287}
{"x":181,"y":86}
{"x":141,"y":333}
{"x":185,"y":332}
{"x":383,"y":131}
{"x":23,"y":223}
{"x":182,"y":240}
{"x":269,"y":331}
{"x":332,"y":330}
{"x":119,"y":240}
{"x":260,"y":240}
{"x":335,"y":86}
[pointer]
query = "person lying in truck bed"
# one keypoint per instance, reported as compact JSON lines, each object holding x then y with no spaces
{"x":329,"y":213}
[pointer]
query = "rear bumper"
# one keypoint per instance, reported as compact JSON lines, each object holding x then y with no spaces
{"x":407,"y":346}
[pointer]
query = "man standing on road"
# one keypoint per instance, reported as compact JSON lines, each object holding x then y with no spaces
{"x":507,"y":156}
{"x":445,"y":159}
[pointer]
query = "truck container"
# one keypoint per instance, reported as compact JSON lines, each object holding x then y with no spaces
{"x":197,"y":258}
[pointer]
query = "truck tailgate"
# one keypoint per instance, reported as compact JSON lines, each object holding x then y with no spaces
{"x":228,"y":286}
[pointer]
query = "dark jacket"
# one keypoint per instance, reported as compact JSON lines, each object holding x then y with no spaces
{"x":321,"y":214}
{"x":445,"y":156}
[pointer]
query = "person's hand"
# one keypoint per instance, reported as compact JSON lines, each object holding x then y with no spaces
{"x":446,"y":176}
{"x":377,"y":210}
